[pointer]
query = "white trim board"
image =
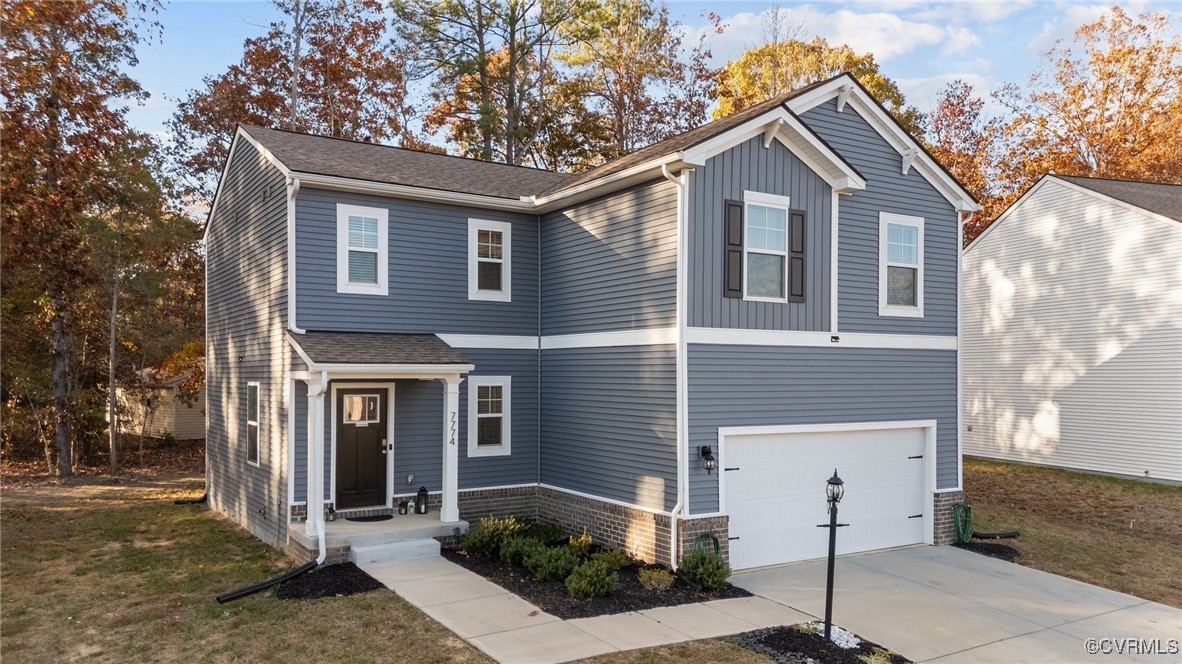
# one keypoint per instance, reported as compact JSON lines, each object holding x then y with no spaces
{"x":613,"y":501}
{"x":501,"y":341}
{"x":646,"y":337}
{"x":735,"y":337}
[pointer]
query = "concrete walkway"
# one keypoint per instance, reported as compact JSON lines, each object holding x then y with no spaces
{"x":513,"y":631}
{"x":927,"y":603}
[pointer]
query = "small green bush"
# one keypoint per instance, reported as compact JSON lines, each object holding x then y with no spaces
{"x":657,"y":579}
{"x":551,"y":563}
{"x":614,"y":558}
{"x":516,"y":549}
{"x":580,"y":545}
{"x":592,"y":579}
{"x":705,"y":569}
{"x":486,"y":539}
{"x":544,"y":532}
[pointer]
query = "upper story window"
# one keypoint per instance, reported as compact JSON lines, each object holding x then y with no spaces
{"x":773,"y":249}
{"x":252,"y":423}
{"x":900,"y":265}
{"x":489,"y":423}
{"x":489,"y":260}
{"x":362,"y":242}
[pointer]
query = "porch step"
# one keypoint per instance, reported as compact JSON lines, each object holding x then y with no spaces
{"x":378,"y":553}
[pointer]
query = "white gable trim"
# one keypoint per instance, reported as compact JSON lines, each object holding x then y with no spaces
{"x":217,"y":195}
{"x":898,"y":139}
{"x":781,"y":124}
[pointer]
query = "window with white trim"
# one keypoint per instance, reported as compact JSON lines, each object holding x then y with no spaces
{"x":252,"y":423}
{"x":765,"y":247}
{"x":489,"y":415}
{"x":362,"y":241}
{"x":489,"y":260}
{"x":900,"y":265}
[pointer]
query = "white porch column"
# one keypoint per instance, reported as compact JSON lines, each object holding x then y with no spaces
{"x":315,"y":503}
{"x":451,"y":453}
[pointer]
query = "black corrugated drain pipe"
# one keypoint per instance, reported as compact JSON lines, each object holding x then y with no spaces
{"x":192,"y":501}
{"x":250,"y":590}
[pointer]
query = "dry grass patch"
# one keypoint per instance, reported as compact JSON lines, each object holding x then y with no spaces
{"x":709,"y":650}
{"x":1120,"y":534}
{"x":133,"y":578}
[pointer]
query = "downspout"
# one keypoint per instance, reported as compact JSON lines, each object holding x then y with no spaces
{"x":681,"y":364}
{"x":293,"y":188}
{"x":316,"y":390}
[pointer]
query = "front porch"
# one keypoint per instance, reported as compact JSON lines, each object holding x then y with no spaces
{"x":402,"y":536}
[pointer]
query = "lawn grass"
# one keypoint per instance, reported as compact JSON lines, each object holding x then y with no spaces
{"x":133,"y":579}
{"x":712,"y":651}
{"x":1120,"y":534}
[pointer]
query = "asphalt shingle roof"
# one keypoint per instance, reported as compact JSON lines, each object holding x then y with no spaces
{"x":1163,"y":199}
{"x":376,"y":348}
{"x":323,"y":155}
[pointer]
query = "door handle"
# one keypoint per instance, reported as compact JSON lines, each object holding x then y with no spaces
{"x":384,"y":446}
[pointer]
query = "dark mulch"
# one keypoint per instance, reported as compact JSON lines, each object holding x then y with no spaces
{"x":789,"y":645}
{"x":991,"y":549}
{"x":553,"y":597}
{"x":369,"y":519}
{"x":331,"y":581}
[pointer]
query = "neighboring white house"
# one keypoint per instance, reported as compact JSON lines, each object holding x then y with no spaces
{"x":161,"y":412}
{"x":1072,"y":331}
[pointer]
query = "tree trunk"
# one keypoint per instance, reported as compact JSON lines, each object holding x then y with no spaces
{"x":112,"y":410}
{"x":300,"y":11}
{"x":61,"y":393}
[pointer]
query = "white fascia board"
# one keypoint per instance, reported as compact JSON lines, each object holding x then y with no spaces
{"x":603,"y":185}
{"x":500,"y":341}
{"x":898,"y":139}
{"x":217,"y":196}
{"x":303,"y":356}
{"x":414,"y":193}
{"x":736,"y":337}
{"x":648,"y":337}
{"x":423,"y":371}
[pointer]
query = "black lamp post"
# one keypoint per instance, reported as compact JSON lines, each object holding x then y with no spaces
{"x":834,"y":490}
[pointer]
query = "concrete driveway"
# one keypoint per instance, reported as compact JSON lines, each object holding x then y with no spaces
{"x":949,"y":605}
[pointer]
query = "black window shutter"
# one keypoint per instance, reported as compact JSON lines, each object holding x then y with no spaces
{"x":796,"y":255}
{"x":733,"y":243}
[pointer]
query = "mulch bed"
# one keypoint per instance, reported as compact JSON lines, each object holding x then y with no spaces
{"x":553,"y":597}
{"x":788,"y":645}
{"x":331,"y":581}
{"x":991,"y":549}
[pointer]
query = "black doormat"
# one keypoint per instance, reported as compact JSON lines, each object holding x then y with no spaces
{"x":367,"y":519}
{"x":329,"y":581}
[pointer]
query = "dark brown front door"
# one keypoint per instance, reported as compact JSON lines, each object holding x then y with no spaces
{"x":361,"y":448}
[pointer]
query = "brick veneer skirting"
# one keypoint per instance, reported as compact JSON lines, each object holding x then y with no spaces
{"x":688,"y":531}
{"x":944,"y":526}
{"x":643,"y":535}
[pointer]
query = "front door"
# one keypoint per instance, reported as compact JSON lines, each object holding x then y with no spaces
{"x":361,"y":448}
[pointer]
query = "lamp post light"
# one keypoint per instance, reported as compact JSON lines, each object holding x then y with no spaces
{"x":834,"y":490}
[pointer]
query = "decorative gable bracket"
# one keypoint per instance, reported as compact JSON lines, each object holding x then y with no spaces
{"x":769,"y":134}
{"x":844,"y":96}
{"x":909,"y":156}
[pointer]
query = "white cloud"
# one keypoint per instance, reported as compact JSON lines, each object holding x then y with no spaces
{"x":984,"y":11}
{"x":960,"y":40}
{"x":1067,"y":20}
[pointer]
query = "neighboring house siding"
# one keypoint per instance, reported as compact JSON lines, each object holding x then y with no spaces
{"x":611,"y":263}
{"x":188,"y":421}
{"x":1072,"y":337}
{"x":609,"y":423}
{"x":732,"y":386}
{"x":428,"y":270}
{"x":246,"y":295}
{"x":771,"y":170}
{"x":887,"y":190}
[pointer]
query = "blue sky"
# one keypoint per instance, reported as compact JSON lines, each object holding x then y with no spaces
{"x":922,"y":45}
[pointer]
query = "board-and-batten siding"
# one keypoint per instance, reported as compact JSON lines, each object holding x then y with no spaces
{"x":428,"y":270}
{"x":418,"y":429}
{"x":246,"y":292}
{"x":887,"y":190}
{"x":1072,"y":337}
{"x":757,"y":386}
{"x":771,"y":170}
{"x":611,"y":263}
{"x":609,"y":423}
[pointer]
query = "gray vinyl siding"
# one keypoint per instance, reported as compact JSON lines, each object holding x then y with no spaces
{"x":611,"y":263}
{"x":887,"y":190}
{"x":609,"y":423}
{"x":428,"y":270}
{"x":246,"y":295}
{"x":755,"y":385}
{"x":771,"y":170}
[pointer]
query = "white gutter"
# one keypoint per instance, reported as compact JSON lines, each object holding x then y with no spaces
{"x":413,"y":193}
{"x":293,"y":189}
{"x":681,"y":361}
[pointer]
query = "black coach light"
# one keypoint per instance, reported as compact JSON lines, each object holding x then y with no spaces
{"x":834,"y":489}
{"x":707,"y":459}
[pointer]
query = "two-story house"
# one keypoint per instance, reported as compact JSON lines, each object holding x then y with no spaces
{"x":684,"y":341}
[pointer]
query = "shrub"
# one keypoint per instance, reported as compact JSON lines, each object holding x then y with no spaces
{"x":592,"y":579}
{"x":580,"y":545}
{"x":614,"y":558}
{"x":657,"y":579}
{"x":486,"y":539}
{"x":544,"y":532}
{"x":516,"y":549}
{"x":705,"y":569}
{"x":551,"y":563}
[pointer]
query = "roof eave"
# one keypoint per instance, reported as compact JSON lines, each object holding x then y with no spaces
{"x":338,"y":183}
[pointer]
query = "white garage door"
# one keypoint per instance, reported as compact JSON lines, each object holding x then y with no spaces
{"x":774,"y":492}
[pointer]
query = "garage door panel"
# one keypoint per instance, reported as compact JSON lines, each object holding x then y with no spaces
{"x":776,"y":498}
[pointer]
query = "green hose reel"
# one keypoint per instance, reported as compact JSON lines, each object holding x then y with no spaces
{"x":963,"y":517}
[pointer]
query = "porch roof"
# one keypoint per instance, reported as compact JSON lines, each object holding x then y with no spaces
{"x":320,"y":349}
